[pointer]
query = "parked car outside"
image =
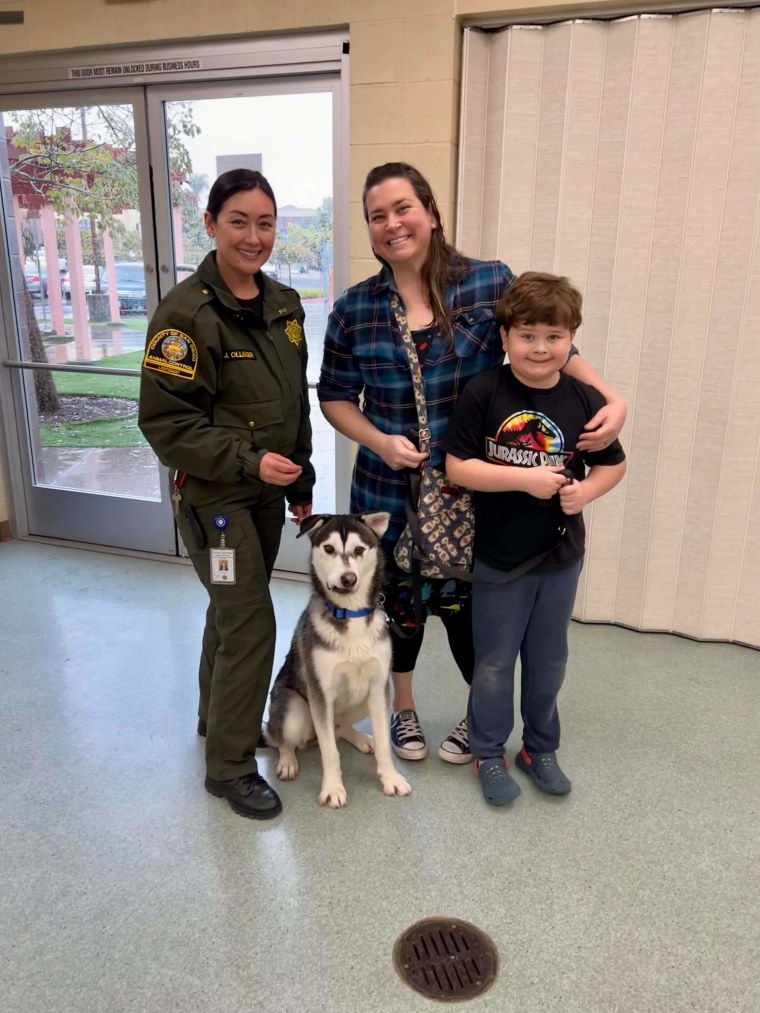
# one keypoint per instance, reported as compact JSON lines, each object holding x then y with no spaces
{"x":130,"y":287}
{"x":36,"y":277}
{"x":89,"y":280}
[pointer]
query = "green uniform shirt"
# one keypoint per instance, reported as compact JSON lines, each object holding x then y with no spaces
{"x":220,"y":387}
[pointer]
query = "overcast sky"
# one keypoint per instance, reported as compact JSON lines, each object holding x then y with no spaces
{"x":293,"y":133}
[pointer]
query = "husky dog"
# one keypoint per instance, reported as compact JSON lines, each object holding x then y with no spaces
{"x":339,"y":662}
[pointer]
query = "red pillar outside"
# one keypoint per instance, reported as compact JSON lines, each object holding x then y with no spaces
{"x":18,"y":213}
{"x":53,"y":274}
{"x":82,"y":342}
{"x":113,"y":295}
{"x":179,"y":242}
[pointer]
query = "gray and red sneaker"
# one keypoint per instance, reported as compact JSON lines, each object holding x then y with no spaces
{"x":544,"y":771}
{"x":496,"y":783}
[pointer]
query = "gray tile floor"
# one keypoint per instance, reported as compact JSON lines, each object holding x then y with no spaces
{"x":125,"y":886}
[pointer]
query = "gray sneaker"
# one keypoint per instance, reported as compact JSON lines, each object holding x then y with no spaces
{"x":544,"y":771}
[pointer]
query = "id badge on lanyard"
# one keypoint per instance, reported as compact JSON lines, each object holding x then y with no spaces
{"x":222,"y":560}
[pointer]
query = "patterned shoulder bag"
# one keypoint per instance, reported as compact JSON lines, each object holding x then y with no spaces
{"x":438,"y":538}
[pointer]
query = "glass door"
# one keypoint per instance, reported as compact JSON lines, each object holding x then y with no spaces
{"x":286,"y":131}
{"x":103,"y":215}
{"x":79,"y":234}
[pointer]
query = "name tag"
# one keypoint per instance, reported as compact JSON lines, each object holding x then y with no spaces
{"x":238,"y":353}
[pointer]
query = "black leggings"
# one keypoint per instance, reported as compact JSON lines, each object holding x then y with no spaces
{"x":450,"y":601}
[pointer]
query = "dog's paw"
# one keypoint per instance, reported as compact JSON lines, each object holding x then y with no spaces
{"x":333,"y":795}
{"x":364,"y":743}
{"x":395,"y":784}
{"x":287,"y":768}
{"x":367,"y":744}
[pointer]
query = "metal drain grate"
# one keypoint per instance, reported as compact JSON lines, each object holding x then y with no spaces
{"x":446,"y":959}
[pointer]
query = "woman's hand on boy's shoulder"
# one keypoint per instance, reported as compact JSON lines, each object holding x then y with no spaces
{"x":604,"y":428}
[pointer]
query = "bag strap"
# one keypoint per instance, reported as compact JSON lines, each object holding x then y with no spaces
{"x":522,"y":568}
{"x":416,"y":374}
{"x":423,"y":445}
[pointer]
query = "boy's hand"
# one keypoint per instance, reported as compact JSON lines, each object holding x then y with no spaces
{"x":544,"y":482}
{"x":572,"y":498}
{"x":300,"y":512}
{"x":398,"y":453}
{"x":603,"y":428}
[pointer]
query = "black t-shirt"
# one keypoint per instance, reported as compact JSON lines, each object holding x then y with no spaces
{"x":499,"y":420}
{"x":256,"y":305}
{"x":423,"y":338}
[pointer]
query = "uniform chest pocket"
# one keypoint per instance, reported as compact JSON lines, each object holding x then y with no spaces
{"x":242,"y":376}
{"x":261,"y":419}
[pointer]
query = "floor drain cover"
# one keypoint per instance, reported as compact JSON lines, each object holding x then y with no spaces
{"x":446,"y":959}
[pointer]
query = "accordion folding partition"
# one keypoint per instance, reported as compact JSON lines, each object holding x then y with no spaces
{"x":625,"y":154}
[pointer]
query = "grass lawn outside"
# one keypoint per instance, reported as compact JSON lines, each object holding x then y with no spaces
{"x":100,"y":433}
{"x":87,"y":385}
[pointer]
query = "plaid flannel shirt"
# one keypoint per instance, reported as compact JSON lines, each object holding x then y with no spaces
{"x":364,"y":355}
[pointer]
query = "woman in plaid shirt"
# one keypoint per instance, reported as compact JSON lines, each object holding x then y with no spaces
{"x":366,"y":393}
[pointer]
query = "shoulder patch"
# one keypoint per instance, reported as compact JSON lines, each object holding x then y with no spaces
{"x":173,"y":352}
{"x":294,"y":332}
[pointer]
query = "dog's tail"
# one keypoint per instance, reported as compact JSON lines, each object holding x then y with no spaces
{"x":265,"y":738}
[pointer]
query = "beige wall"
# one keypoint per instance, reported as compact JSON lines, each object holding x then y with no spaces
{"x":404,"y":68}
{"x":405,"y":57}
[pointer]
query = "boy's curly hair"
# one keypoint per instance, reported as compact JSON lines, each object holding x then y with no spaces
{"x":537,"y":298}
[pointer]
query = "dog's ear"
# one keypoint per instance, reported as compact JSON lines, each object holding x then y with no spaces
{"x":377,"y":522}
{"x":310,"y":523}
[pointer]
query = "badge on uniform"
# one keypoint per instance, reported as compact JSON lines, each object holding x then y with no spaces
{"x":294,"y":332}
{"x":222,"y":560}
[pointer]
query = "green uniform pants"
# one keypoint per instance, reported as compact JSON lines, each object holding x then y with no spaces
{"x":239,"y":639}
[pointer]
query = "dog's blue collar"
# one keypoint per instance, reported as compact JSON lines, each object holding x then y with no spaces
{"x":349,"y":613}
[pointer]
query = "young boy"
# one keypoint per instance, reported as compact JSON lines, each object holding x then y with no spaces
{"x":513,"y":440}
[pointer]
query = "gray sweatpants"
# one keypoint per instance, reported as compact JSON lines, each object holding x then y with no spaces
{"x":529,"y":616}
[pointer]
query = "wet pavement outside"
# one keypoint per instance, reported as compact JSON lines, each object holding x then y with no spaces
{"x":133,"y":471}
{"x":115,"y":471}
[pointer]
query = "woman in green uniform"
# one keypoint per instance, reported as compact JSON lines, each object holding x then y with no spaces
{"x":224,"y":403}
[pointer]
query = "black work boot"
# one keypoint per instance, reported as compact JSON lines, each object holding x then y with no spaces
{"x":249,"y":795}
